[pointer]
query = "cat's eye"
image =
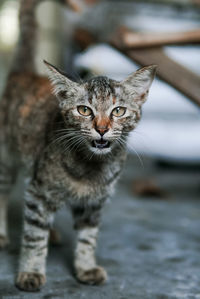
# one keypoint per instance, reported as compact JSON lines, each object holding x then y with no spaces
{"x":84,"y":110}
{"x":119,"y":111}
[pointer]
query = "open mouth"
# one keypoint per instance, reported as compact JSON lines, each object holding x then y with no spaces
{"x":101,"y":144}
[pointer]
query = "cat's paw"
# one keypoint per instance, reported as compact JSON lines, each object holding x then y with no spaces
{"x":3,"y":241}
{"x":29,"y":281}
{"x":94,"y":276}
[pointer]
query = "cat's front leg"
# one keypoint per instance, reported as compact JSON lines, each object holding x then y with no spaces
{"x":86,"y":223}
{"x":37,"y":221}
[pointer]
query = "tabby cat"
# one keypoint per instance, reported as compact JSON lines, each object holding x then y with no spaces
{"x":71,"y":144}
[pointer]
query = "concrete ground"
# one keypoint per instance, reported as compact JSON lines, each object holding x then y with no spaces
{"x":149,"y":246}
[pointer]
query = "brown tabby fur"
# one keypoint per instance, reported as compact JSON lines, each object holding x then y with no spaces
{"x":67,"y":158}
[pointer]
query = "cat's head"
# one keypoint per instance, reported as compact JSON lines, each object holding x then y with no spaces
{"x":100,"y":112}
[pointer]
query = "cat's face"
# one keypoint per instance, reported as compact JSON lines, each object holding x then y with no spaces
{"x":99,"y":113}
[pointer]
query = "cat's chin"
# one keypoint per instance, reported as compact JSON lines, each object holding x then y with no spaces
{"x":102,"y":151}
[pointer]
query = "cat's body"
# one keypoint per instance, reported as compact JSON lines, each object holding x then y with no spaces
{"x":30,"y":129}
{"x":71,"y":146}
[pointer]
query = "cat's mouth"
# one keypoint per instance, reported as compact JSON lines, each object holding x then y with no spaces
{"x":100,"y":144}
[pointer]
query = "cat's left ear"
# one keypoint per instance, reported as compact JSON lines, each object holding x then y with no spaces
{"x":138,"y":83}
{"x":63,"y":87}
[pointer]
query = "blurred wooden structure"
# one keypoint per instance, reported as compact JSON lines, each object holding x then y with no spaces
{"x":79,"y":5}
{"x":145,"y":49}
{"x":135,"y":40}
{"x":168,"y":70}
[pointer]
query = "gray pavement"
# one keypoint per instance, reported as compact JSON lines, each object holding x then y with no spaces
{"x":150,"y":247}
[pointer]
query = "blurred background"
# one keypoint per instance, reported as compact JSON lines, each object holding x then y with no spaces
{"x":171,"y":121}
{"x":156,"y":210}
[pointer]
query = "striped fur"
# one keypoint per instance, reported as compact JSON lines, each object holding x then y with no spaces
{"x":67,"y":158}
{"x":85,"y":263}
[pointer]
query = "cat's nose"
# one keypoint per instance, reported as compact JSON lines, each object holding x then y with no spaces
{"x":101,"y":130}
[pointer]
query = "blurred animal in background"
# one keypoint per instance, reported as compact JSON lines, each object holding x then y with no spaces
{"x":71,"y":145}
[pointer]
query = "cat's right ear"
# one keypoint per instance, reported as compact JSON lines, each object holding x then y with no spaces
{"x":63,"y":87}
{"x":138,"y":83}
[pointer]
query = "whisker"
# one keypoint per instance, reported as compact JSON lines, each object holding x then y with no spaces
{"x":129,"y":145}
{"x":75,"y":142}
